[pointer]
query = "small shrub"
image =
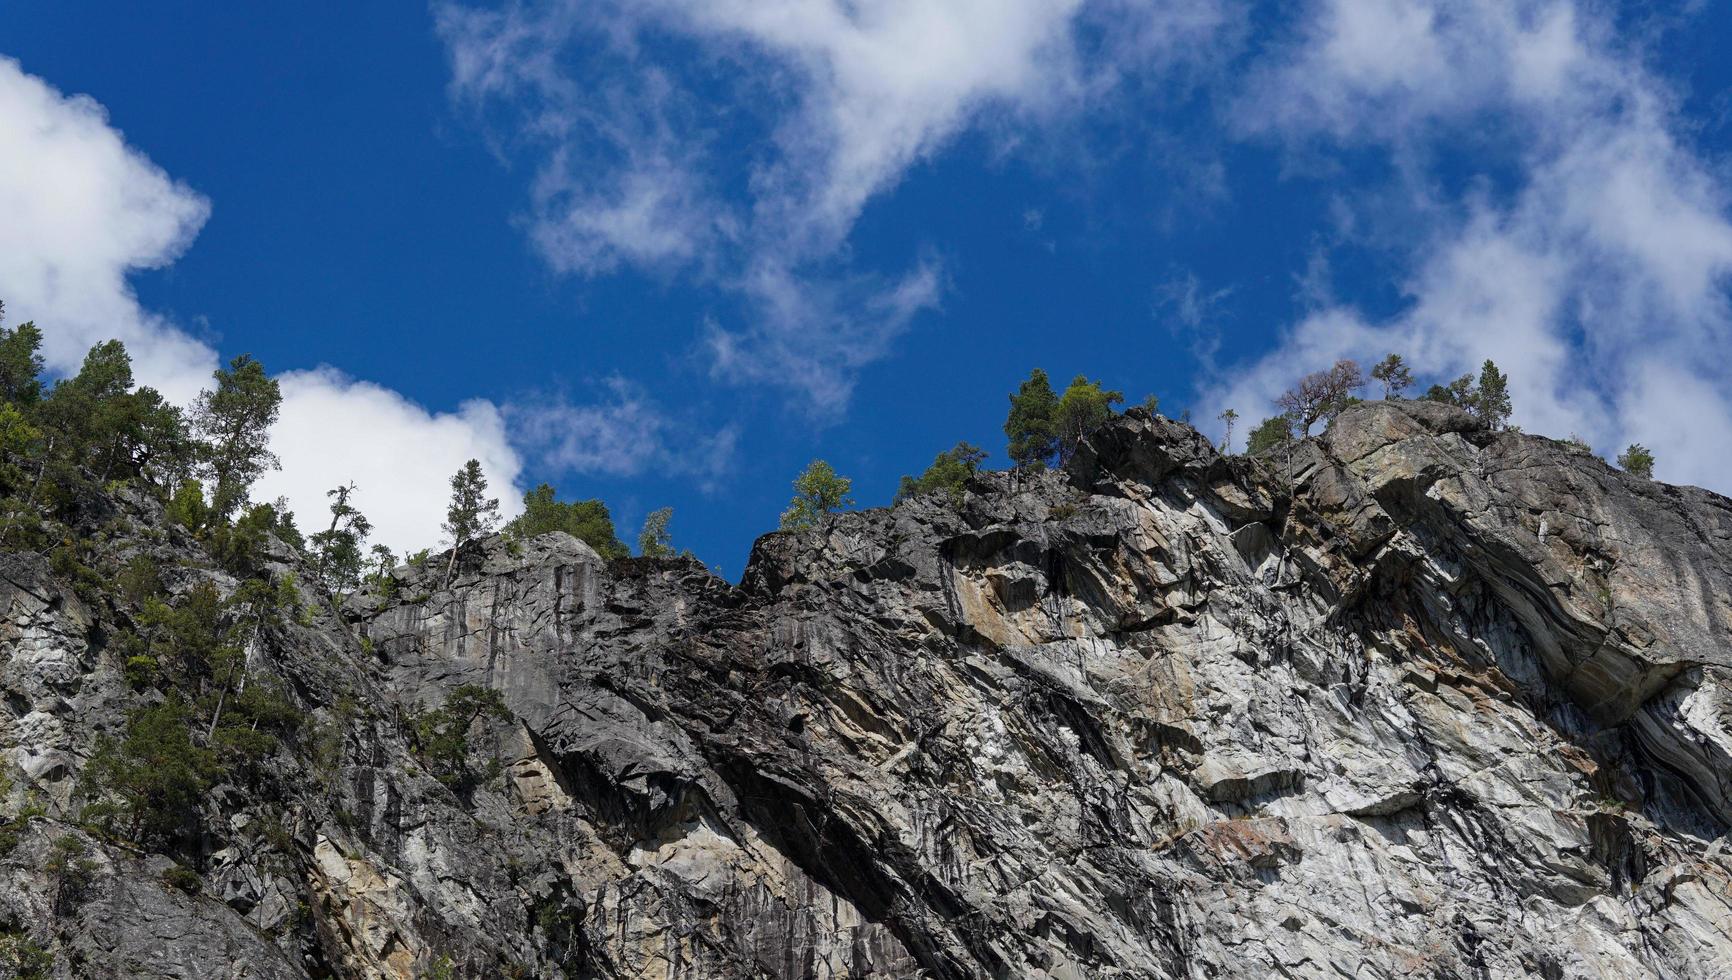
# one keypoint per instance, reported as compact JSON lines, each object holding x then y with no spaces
{"x":71,"y":870}
{"x":441,"y":736}
{"x":23,"y":957}
{"x":183,"y":878}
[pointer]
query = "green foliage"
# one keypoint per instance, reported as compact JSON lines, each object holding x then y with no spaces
{"x":21,"y":364}
{"x":418,"y":559}
{"x":949,"y":474}
{"x":1458,"y":392}
{"x":586,"y":520}
{"x":1085,"y":407}
{"x":71,"y":869}
{"x":23,"y":958}
{"x":234,"y":419}
{"x":1491,"y":402}
{"x":66,"y":561}
{"x":139,"y":581}
{"x":183,"y":878}
{"x":654,"y":541}
{"x":243,"y":547}
{"x":1394,"y":375}
{"x":337,"y":550}
{"x":188,"y":508}
{"x":185,"y":641}
{"x":818,"y":491}
{"x":1228,"y":419}
{"x":441,"y":736}
{"x":1032,"y":425}
{"x":153,"y":779}
{"x":1273,"y":433}
{"x":1488,"y":400}
{"x":1637,"y":461}
{"x":381,"y":564}
{"x":471,"y":514}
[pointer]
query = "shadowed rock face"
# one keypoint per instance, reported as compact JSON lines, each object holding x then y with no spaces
{"x":1413,"y":699}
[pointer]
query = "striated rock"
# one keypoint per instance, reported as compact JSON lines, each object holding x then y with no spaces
{"x":1411,"y":699}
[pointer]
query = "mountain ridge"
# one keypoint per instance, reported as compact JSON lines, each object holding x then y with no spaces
{"x":1408,"y":698}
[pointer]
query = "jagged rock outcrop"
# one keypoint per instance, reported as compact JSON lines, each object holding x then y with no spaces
{"x":1411,"y":699}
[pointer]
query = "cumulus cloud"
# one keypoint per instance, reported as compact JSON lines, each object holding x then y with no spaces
{"x":83,"y":210}
{"x":1598,"y":281}
{"x":752,"y":167}
{"x":336,"y":429}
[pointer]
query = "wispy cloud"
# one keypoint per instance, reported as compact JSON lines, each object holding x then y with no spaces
{"x":1598,"y":278}
{"x":740,"y":140}
{"x":623,"y":432}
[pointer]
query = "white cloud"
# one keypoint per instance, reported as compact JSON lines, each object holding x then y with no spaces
{"x":335,"y":429}
{"x":82,"y":210}
{"x":813,"y":335}
{"x":752,"y":168}
{"x":1599,"y":283}
{"x":624,"y":433}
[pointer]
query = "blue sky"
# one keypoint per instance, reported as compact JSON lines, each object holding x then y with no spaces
{"x":666,"y":252}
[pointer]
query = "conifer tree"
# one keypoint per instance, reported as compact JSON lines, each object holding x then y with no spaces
{"x":948,"y":474}
{"x":1459,"y":393}
{"x":234,"y":419}
{"x":472,"y":514}
{"x":1393,"y":372}
{"x":339,"y":549}
{"x":1272,"y":433}
{"x":586,"y":520}
{"x":1637,"y":461}
{"x":1491,"y":402}
{"x":21,"y":364}
{"x":1228,"y":418}
{"x":1032,"y":426}
{"x":1086,"y":406}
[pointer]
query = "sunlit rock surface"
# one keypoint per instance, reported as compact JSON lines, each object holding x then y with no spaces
{"x":1411,"y":699}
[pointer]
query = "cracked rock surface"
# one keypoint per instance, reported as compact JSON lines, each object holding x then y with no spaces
{"x":1412,"y":699}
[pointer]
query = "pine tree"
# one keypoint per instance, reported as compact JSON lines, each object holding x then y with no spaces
{"x":1032,"y":426}
{"x":234,"y":419}
{"x":1459,"y":393}
{"x":1393,"y":372}
{"x":21,"y":364}
{"x":948,"y":474}
{"x":1228,"y":418}
{"x":1085,"y":407}
{"x":586,"y":520}
{"x":339,"y":549}
{"x":1491,"y":402}
{"x":1637,"y":461}
{"x":472,"y":514}
{"x":1272,"y":433}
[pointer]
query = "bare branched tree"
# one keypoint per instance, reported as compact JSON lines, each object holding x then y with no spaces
{"x":1322,"y":394}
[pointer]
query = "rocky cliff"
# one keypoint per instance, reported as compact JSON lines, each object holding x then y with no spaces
{"x":1412,"y":699}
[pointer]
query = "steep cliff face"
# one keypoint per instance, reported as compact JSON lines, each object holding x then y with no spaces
{"x":1414,"y":699}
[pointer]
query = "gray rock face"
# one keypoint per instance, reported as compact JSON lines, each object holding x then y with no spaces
{"x":1413,"y":699}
